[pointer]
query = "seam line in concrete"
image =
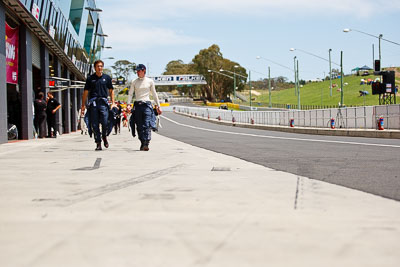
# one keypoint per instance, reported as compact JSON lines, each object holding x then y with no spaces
{"x":108,"y":188}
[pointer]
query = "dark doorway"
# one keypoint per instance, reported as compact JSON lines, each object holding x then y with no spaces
{"x":35,"y":82}
{"x":14,"y":105}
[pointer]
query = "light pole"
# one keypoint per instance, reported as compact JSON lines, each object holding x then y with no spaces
{"x":330,"y":73}
{"x":379,"y":37}
{"x":212,"y":81}
{"x":329,"y":60}
{"x":269,"y":86}
{"x":259,"y":57}
{"x":295,"y":76}
{"x":234,"y":78}
{"x":234,"y":82}
{"x":276,"y":63}
{"x":341,"y":79}
{"x":298,"y":86}
{"x":223,"y":74}
{"x":380,"y":55}
{"x":296,"y":80}
{"x":250,"y":86}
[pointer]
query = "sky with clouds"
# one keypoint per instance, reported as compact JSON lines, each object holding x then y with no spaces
{"x":154,"y":32}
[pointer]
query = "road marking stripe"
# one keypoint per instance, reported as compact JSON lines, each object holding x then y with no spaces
{"x":279,"y":137}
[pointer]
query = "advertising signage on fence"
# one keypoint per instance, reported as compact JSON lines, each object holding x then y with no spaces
{"x":12,"y":54}
{"x":179,"y":79}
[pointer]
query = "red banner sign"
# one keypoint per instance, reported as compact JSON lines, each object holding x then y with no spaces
{"x":12,"y":54}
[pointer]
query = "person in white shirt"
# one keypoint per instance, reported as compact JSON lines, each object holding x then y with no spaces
{"x":142,"y":109}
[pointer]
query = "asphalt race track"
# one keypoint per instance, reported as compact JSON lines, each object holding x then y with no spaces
{"x":366,"y":164}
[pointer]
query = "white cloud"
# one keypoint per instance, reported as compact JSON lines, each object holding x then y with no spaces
{"x":136,"y":37}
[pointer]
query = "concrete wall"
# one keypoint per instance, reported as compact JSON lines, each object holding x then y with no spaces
{"x":3,"y":84}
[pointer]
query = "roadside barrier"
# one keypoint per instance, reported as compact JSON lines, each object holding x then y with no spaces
{"x":348,"y":118}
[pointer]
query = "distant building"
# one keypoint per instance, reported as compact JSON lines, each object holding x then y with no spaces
{"x":45,"y":45}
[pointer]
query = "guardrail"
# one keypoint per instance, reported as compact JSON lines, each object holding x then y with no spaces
{"x":348,"y":118}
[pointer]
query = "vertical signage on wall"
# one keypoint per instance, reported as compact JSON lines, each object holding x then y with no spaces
{"x":35,"y":11}
{"x":12,"y":54}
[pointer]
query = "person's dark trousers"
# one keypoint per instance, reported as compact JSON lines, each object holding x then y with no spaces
{"x":143,"y":113}
{"x":51,"y":123}
{"x":40,"y":124}
{"x":117,"y":126}
{"x":99,"y":115}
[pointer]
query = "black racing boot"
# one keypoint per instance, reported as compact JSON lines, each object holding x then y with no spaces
{"x":146,"y":146}
{"x":141,"y":145}
{"x":105,"y":141}
{"x":98,"y":146}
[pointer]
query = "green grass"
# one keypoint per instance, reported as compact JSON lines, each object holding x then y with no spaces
{"x":310,"y":94}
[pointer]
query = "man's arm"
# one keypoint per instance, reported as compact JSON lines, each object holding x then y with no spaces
{"x":84,"y":97}
{"x":57,"y":108}
{"x":155,"y":96}
{"x":111,"y":93}
{"x":131,"y":89}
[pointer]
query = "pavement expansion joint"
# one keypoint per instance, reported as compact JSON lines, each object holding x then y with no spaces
{"x":221,"y":169}
{"x":108,"y":188}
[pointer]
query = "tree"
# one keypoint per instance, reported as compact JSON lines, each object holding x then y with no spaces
{"x":179,"y":67}
{"x":108,"y":72}
{"x":281,"y":79}
{"x":123,"y":68}
{"x":208,"y":59}
{"x":217,"y":85}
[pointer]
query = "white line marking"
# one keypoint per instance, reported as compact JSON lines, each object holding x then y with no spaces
{"x":279,"y":137}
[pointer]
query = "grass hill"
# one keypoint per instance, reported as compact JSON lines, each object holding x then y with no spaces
{"x":318,"y":93}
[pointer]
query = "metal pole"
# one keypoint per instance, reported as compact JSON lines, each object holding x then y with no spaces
{"x":298,"y":86}
{"x":330,"y":73}
{"x":380,"y":56}
{"x":341,"y":78}
{"x":250,"y":86}
{"x":212,"y":86}
{"x":295,"y":76}
{"x":234,"y":86}
{"x":269,"y":86}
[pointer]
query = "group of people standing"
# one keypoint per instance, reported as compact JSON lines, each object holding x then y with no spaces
{"x":45,"y":111}
{"x":121,"y":114}
{"x":97,"y":89}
